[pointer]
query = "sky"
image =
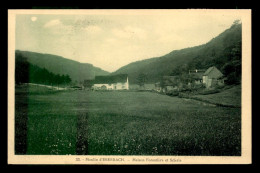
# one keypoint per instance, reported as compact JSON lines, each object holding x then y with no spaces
{"x":112,"y":39}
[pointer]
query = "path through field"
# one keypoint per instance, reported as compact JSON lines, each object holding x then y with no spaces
{"x":48,"y":86}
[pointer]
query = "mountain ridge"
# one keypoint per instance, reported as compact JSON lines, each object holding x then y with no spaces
{"x":60,"y":65}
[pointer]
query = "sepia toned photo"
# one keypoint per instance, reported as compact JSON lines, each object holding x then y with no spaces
{"x":129,"y":86}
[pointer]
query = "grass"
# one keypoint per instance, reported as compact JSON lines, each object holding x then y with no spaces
{"x":229,"y":97}
{"x":123,"y":123}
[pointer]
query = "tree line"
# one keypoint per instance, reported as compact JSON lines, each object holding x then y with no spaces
{"x":228,"y":61}
{"x":26,"y":72}
{"x":229,"y":64}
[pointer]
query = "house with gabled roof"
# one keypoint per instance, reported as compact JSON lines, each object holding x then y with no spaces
{"x":213,"y":77}
{"x":115,"y":82}
{"x":197,"y":75}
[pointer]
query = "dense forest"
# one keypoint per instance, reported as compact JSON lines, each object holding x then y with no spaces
{"x":77,"y":71}
{"x":26,"y":72}
{"x":223,"y":51}
{"x":221,"y":54}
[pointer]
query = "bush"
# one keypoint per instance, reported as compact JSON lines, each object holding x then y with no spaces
{"x":206,"y":92}
{"x":172,"y":93}
{"x":233,"y":79}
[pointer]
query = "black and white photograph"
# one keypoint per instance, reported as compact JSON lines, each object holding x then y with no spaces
{"x":129,"y":86}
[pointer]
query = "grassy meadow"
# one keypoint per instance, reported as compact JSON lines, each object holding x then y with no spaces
{"x":122,"y":123}
{"x":230,"y":97}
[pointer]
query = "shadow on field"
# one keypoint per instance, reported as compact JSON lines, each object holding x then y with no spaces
{"x":82,"y":134}
{"x":21,"y":121}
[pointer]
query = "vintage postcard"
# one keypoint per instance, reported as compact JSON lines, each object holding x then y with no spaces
{"x":129,"y":86}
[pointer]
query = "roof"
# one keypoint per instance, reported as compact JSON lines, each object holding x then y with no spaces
{"x":208,"y":71}
{"x":197,"y":75}
{"x":214,"y":72}
{"x":197,"y":71}
{"x":120,"y":78}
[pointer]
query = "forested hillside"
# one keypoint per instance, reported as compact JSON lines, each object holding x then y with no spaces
{"x":26,"y":72}
{"x":223,"y":51}
{"x":59,"y":65}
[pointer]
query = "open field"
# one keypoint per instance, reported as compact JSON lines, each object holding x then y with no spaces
{"x":123,"y":123}
{"x":229,"y":97}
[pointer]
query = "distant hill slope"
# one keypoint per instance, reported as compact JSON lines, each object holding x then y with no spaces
{"x":59,"y":65}
{"x":216,"y":52}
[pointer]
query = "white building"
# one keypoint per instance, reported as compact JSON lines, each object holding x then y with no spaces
{"x":115,"y":82}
